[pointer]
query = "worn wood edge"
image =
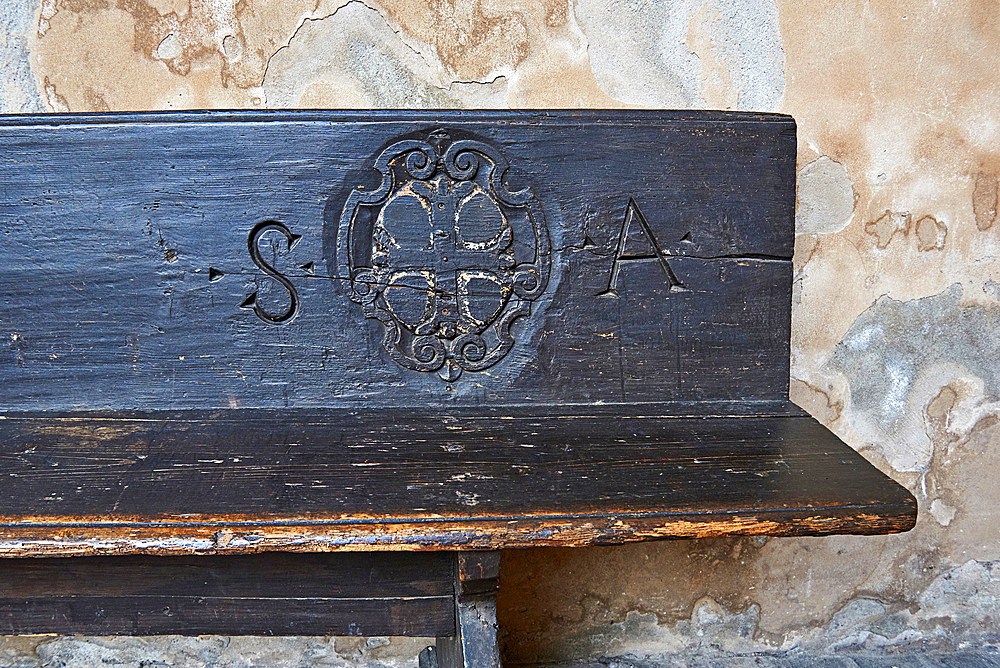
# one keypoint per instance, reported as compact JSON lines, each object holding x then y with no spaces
{"x":358,"y":520}
{"x":370,"y":116}
{"x":39,"y":541}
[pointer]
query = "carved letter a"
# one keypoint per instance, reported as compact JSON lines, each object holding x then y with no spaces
{"x":634,"y":215}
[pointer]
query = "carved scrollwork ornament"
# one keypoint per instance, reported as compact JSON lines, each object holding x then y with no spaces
{"x":443,"y":254}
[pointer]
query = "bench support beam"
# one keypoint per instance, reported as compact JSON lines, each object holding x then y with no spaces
{"x":475,"y":642}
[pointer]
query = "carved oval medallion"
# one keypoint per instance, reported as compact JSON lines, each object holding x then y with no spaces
{"x":443,"y":254}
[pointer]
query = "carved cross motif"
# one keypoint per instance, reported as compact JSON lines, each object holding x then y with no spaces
{"x":431,"y":253}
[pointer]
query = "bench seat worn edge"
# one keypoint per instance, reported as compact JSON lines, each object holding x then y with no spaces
{"x":348,"y":480}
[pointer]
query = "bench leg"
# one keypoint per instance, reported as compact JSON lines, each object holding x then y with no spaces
{"x":475,"y":644}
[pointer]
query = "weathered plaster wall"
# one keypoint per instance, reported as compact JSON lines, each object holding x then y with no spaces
{"x":896,"y":332}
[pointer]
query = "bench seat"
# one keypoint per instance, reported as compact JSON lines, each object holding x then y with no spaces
{"x":342,"y":479}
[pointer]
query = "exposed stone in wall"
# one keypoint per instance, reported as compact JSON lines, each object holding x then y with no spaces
{"x":238,"y":652}
{"x":896,"y":296}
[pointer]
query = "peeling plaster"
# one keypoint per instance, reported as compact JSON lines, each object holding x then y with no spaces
{"x":686,"y":54}
{"x":942,"y":512}
{"x":898,"y":356}
{"x":352,"y":58}
{"x":18,"y":90}
{"x":824,"y":198}
{"x":984,"y":200}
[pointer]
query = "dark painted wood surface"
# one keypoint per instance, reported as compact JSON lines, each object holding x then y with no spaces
{"x":125,"y":262}
{"x":268,"y":594}
{"x":472,"y":478}
{"x":305,"y":331}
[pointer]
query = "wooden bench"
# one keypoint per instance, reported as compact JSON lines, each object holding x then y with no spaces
{"x":400,"y":341}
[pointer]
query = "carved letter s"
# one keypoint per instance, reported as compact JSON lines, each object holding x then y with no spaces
{"x":252,"y":244}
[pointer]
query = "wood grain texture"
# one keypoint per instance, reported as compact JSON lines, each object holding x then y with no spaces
{"x":270,"y":594}
{"x":193,"y":364}
{"x":125,"y":262}
{"x":463,"y":479}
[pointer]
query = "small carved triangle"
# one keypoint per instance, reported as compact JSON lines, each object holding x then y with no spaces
{"x":250,"y":301}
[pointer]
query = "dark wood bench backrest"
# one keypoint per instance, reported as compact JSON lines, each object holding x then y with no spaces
{"x":222,"y":261}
